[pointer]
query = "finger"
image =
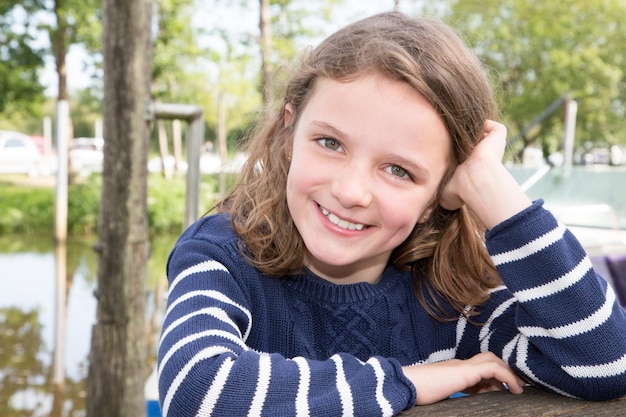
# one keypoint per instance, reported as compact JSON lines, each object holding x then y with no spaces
{"x":514,"y":383}
{"x":496,"y":369}
{"x":486,"y":385}
{"x":493,"y":126}
{"x":518,"y":386}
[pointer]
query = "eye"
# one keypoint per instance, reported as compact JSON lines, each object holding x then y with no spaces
{"x":330,"y":143}
{"x":398,"y":171}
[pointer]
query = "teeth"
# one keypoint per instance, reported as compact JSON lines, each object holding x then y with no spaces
{"x":341,"y":223}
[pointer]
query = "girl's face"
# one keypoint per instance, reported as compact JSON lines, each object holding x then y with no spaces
{"x":368,"y":156}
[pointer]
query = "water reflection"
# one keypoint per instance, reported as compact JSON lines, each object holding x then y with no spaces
{"x":31,"y":343}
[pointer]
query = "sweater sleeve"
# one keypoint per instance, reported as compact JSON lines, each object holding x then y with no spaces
{"x":205,"y":367}
{"x":556,"y":322}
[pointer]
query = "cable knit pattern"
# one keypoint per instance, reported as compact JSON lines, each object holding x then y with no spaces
{"x":237,"y":342}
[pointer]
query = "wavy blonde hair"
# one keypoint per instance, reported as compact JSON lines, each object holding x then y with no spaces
{"x":446,"y":255}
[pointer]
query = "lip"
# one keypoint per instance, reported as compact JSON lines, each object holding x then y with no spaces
{"x":336,"y":227}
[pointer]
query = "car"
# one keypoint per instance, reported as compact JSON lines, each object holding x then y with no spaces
{"x":211,"y":163}
{"x":155,"y":165}
{"x":19,"y":154}
{"x":86,"y":155}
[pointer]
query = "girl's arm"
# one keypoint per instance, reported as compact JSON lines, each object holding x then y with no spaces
{"x":556,"y":322}
{"x":569,"y":332}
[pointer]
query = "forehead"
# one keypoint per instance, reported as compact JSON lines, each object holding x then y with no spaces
{"x":389,"y":116}
{"x":373,"y":103}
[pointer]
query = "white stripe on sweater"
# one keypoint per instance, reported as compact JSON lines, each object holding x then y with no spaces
{"x":263,"y":382}
{"x":485,"y":331}
{"x":531,"y":247}
{"x":507,"y":350}
{"x":579,"y":327}
{"x":182,"y":374}
{"x":522,"y":356}
{"x":385,"y":406}
{"x":461,"y":325}
{"x":188,"y":339}
{"x":215,"y":312}
{"x":345,"y":393}
{"x":205,"y":266}
{"x":217,"y":296}
{"x":441,"y":355}
{"x":216,"y":388}
{"x":302,"y":397}
{"x":604,"y":370}
{"x":571,"y":278}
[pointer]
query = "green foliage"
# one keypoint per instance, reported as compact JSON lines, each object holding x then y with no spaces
{"x":21,"y":62}
{"x":166,"y":202}
{"x":30,"y":210}
{"x":26,"y":209}
{"x":20,"y":59}
{"x":86,"y":109}
{"x":174,"y":51}
{"x":539,"y":51}
{"x":83,"y":207}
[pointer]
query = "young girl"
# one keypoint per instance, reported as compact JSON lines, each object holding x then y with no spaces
{"x":349,"y":271}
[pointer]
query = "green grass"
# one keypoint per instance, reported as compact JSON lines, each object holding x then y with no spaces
{"x":29,"y":209}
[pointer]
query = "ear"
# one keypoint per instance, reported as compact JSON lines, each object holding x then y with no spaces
{"x":288,"y":114}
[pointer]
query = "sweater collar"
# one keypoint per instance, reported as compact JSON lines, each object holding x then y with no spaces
{"x":320,"y":289}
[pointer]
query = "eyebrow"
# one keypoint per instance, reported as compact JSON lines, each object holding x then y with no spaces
{"x":336,"y":132}
{"x":415,"y":168}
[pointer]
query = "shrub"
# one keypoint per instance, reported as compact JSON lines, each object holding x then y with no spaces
{"x":30,"y":210}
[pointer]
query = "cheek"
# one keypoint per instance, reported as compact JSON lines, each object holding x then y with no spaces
{"x":296,"y":182}
{"x":401,"y":215}
{"x":304,"y":171}
{"x":402,"y":219}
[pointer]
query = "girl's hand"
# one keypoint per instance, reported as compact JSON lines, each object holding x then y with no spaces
{"x":482,"y":373}
{"x":483,"y":183}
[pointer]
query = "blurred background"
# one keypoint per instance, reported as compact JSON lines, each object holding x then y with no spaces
{"x":558,"y":68}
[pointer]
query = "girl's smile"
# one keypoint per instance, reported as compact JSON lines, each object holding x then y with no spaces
{"x":343,"y":224}
{"x":367,"y":158}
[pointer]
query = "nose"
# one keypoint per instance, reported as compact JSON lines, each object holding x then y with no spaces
{"x":353,"y":186}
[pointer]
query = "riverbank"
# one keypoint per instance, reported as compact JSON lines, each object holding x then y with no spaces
{"x":28,"y":204}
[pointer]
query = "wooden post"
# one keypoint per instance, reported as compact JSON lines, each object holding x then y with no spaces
{"x":221,"y":141}
{"x":195,"y":135}
{"x":571,"y":108}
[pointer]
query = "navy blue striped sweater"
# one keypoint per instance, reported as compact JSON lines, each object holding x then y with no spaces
{"x":237,"y":342}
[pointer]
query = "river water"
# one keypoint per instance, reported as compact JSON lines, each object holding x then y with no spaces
{"x":45,"y":334}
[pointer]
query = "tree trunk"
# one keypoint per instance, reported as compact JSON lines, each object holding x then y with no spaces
{"x":60,"y":46}
{"x":265,"y":26}
{"x":117,"y":359}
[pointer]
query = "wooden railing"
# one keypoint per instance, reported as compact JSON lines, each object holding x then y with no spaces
{"x":532,"y":403}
